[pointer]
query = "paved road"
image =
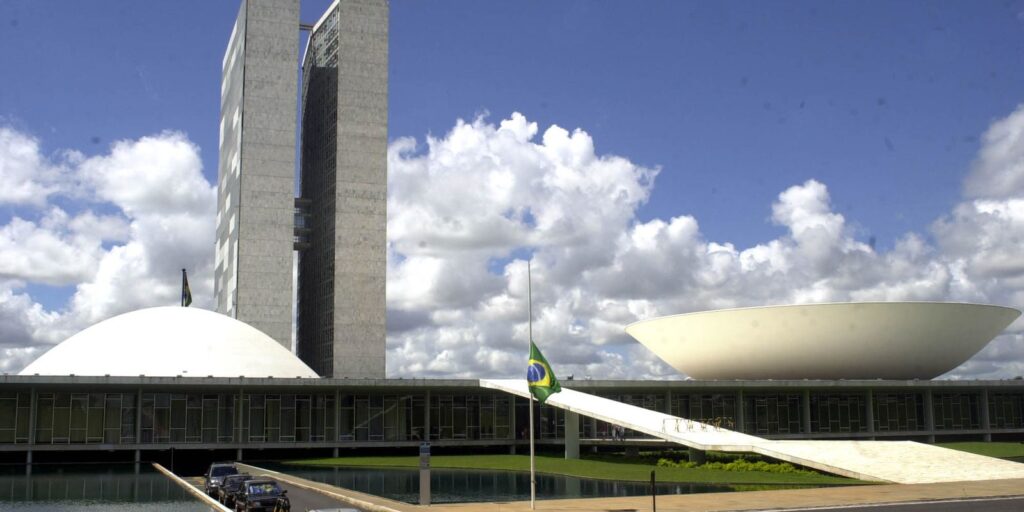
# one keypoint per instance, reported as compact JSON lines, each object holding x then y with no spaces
{"x":1011,"y":504}
{"x":302,"y":499}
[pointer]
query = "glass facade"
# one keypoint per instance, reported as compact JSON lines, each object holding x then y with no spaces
{"x":96,"y":418}
{"x":956,"y":411}
{"x":318,"y":184}
{"x":1006,"y":410}
{"x":336,"y":416}
{"x":838,"y":413}
{"x":774,"y":413}
{"x":14,"y":417}
{"x":899,"y":412}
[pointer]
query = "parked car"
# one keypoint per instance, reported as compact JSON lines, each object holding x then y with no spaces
{"x":230,"y":487}
{"x":264,"y":495}
{"x":215,"y":475}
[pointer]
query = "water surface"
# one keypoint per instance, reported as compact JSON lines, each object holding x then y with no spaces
{"x":92,"y":488}
{"x":461,"y":485}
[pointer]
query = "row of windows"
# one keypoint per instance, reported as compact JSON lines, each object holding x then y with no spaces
{"x":114,"y":418}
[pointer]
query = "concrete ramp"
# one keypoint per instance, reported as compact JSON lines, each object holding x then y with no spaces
{"x":903,"y":462}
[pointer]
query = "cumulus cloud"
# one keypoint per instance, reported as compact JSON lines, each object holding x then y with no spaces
{"x":998,"y":171}
{"x":467,"y":209}
{"x":26,"y":176}
{"x":129,"y":221}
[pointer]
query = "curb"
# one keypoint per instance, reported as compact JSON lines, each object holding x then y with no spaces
{"x":192,"y":489}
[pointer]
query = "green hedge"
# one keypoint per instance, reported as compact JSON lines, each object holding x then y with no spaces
{"x":738,"y":465}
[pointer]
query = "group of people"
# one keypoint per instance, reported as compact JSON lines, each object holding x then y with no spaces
{"x":618,"y":433}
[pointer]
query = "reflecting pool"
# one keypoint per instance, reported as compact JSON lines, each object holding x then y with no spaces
{"x":93,"y":487}
{"x":460,"y":486}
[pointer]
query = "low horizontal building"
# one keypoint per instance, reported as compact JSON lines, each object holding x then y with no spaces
{"x":62,"y":413}
{"x":182,"y":378}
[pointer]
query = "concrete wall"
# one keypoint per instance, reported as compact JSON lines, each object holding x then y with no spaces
{"x":257,"y":174}
{"x":341,"y":317}
{"x":361,"y":203}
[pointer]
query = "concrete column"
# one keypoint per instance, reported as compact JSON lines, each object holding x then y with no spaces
{"x":28,"y":457}
{"x":237,"y":431}
{"x":572,"y":435}
{"x":986,"y":424}
{"x":739,"y":411}
{"x":138,"y":416}
{"x":337,"y":417}
{"x":668,"y":402}
{"x":869,"y":411}
{"x":238,"y":454}
{"x":33,"y":411}
{"x":805,"y":413}
{"x":929,"y":415}
{"x":335,"y":453}
{"x":512,"y":424}
{"x":426,"y":417}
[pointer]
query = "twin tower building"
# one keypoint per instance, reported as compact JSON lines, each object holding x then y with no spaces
{"x":331,"y":218}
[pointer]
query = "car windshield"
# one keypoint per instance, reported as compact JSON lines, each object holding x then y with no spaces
{"x":223,"y":470}
{"x":264,"y":488}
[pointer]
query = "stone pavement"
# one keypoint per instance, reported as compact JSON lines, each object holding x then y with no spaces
{"x":903,"y":462}
{"x":717,"y":502}
{"x":764,"y":500}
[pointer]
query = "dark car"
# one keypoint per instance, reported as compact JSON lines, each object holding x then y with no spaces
{"x":230,"y":487}
{"x":264,"y":495}
{"x":215,"y":475}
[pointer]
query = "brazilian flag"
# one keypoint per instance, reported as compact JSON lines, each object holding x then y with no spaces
{"x":539,"y":376}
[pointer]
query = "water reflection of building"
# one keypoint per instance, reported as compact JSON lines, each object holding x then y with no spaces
{"x":89,"y":486}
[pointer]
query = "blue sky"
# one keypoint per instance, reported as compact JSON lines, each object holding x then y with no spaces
{"x":882,"y":101}
{"x":885,"y":103}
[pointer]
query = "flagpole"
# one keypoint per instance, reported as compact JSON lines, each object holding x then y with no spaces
{"x":533,"y":473}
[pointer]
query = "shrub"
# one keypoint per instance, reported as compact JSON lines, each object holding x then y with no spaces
{"x":738,"y":464}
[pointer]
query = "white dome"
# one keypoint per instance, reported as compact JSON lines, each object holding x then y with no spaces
{"x":886,"y":340}
{"x":167,"y":342}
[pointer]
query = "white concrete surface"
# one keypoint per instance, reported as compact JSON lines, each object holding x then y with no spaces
{"x":865,"y":340}
{"x":168,"y":342}
{"x":901,"y":462}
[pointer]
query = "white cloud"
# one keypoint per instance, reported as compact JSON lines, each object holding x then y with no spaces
{"x":159,"y":218}
{"x":26,"y":177}
{"x":468,"y":208}
{"x":998,"y":171}
{"x":465,"y":210}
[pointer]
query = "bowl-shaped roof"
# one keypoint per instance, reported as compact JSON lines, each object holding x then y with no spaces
{"x":167,"y":342}
{"x":872,"y":340}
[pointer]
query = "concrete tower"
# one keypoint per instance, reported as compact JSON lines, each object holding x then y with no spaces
{"x":256,"y":176}
{"x":341,"y":309}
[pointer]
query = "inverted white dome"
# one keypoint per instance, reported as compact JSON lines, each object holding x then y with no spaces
{"x":167,"y":342}
{"x":886,"y":340}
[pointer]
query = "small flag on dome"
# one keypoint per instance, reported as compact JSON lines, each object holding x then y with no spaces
{"x":186,"y":293}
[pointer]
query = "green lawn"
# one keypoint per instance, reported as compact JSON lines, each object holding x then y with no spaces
{"x":585,"y":468}
{"x":1001,"y":450}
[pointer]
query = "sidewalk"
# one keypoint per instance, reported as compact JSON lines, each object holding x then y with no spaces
{"x":761,"y":500}
{"x":718,"y":502}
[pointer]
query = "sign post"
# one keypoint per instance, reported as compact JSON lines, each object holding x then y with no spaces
{"x":425,"y":473}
